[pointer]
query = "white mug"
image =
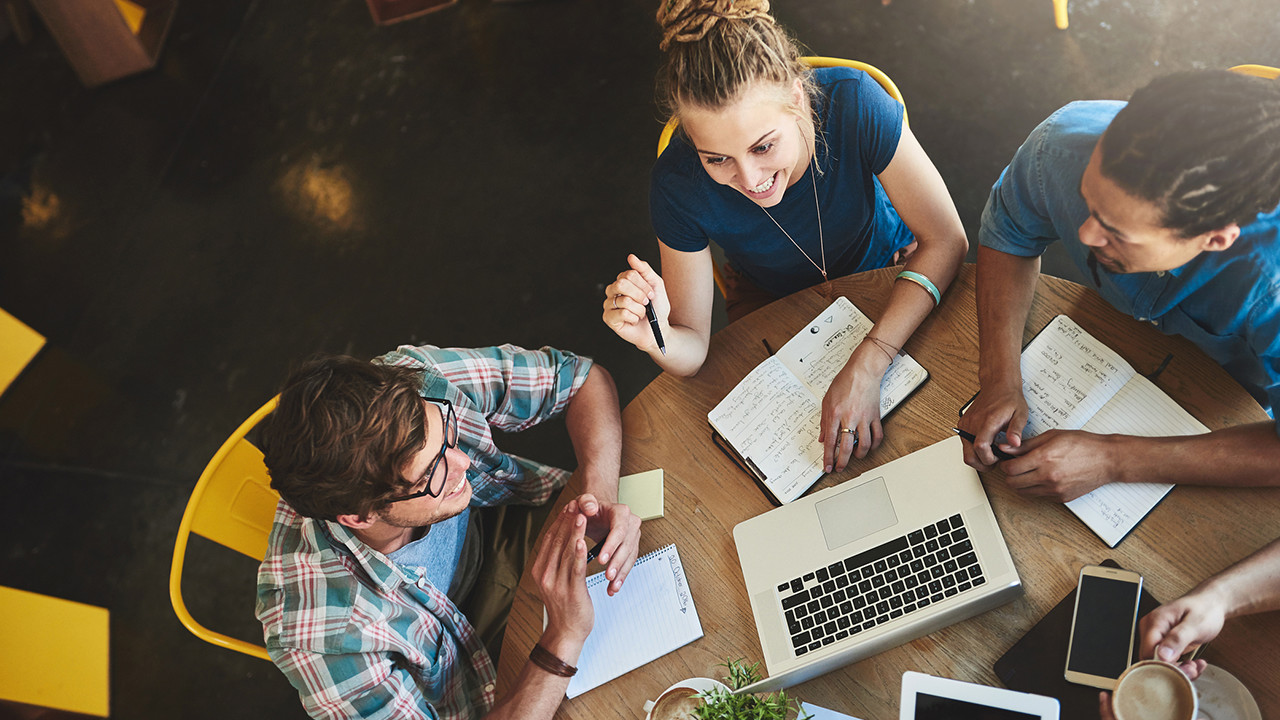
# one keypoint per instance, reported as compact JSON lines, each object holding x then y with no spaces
{"x":1155,"y":690}
{"x":698,"y":684}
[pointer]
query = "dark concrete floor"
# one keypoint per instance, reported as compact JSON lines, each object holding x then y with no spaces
{"x":292,"y":178}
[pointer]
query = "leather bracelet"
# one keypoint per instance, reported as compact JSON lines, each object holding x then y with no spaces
{"x":923,"y":282}
{"x":547,"y":660}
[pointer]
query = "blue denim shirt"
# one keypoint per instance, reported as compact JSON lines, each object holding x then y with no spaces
{"x":1227,"y":303}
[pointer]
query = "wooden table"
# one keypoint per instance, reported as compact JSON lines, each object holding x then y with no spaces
{"x":1193,"y":533}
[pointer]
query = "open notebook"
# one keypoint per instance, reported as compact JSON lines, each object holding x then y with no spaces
{"x":771,"y":419}
{"x":650,"y":616}
{"x":1074,"y":382}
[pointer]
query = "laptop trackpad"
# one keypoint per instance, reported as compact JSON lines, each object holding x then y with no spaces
{"x":856,"y":513}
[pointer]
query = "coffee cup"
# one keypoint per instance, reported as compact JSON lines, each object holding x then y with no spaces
{"x":1154,"y":690}
{"x":679,"y":701}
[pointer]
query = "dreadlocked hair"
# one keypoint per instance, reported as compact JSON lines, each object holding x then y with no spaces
{"x":1204,"y":146}
{"x":717,"y":48}
{"x":341,"y":434}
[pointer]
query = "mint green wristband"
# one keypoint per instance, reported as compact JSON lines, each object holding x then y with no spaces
{"x":923,"y":282}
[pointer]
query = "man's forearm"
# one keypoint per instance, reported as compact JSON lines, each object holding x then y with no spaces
{"x":595,"y":429}
{"x":1005,"y":287}
{"x":1251,"y":585}
{"x":537,"y":694}
{"x":1241,"y":456}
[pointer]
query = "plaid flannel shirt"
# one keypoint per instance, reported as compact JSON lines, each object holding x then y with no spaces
{"x":361,"y":636}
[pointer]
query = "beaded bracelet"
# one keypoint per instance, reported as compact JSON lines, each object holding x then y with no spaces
{"x":547,"y":660}
{"x":923,"y":282}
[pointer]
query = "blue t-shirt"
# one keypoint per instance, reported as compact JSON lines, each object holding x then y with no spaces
{"x":439,"y":556}
{"x":860,"y":125}
{"x":1227,"y":303}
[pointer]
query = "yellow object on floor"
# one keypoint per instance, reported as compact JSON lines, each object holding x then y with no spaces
{"x":133,"y":14}
{"x":18,"y":345}
{"x":1060,"y":14}
{"x":53,"y":653}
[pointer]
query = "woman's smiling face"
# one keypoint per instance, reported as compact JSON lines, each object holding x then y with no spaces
{"x":755,"y":144}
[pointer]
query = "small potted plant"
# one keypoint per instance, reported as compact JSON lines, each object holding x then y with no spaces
{"x":721,"y":704}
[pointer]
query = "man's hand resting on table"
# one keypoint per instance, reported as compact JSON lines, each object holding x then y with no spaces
{"x":1062,"y":464}
{"x":616,"y":529}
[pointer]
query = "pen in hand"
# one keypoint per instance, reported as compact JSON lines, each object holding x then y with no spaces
{"x":1000,"y":454}
{"x":653,"y":323}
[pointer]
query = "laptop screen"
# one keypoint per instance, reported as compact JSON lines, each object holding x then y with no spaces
{"x":932,"y":707}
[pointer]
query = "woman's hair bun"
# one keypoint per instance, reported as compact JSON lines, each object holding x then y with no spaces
{"x":690,"y":20}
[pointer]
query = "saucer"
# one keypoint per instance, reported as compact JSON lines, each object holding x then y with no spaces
{"x":1224,"y":697}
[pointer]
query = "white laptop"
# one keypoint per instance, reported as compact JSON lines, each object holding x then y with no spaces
{"x":925,"y":697}
{"x":893,"y":554}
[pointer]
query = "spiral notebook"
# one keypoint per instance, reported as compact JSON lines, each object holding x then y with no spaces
{"x":650,"y":616}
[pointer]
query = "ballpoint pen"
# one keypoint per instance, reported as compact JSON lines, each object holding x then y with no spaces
{"x":653,"y":323}
{"x":1000,"y":454}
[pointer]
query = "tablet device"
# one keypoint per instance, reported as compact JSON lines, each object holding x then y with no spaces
{"x":925,"y":697}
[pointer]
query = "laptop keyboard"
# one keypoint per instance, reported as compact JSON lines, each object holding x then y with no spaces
{"x":884,"y":583}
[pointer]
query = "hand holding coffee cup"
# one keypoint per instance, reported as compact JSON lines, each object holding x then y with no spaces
{"x":1185,"y":624}
{"x":1151,"y":690}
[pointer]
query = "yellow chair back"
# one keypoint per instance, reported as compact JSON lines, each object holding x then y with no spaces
{"x":233,"y":505}
{"x":1262,"y":71}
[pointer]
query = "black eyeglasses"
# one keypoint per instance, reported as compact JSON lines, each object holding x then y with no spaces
{"x":435,"y":487}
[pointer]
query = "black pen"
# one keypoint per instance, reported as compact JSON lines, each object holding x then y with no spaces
{"x":1000,"y":454}
{"x":592,"y":553}
{"x":653,"y":323}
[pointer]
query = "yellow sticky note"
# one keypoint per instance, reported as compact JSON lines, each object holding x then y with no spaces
{"x":642,"y":492}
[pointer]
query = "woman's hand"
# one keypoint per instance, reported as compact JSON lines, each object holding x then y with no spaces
{"x":853,"y":403}
{"x":624,"y":303}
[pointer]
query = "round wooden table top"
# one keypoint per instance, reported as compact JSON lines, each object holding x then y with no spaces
{"x":1193,"y":533}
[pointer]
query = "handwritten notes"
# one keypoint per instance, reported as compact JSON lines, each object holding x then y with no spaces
{"x":652,"y":615}
{"x":1074,"y":382}
{"x":772,"y":418}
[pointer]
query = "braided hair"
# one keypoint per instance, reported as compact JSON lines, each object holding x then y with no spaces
{"x":717,"y":48}
{"x":1204,"y":146}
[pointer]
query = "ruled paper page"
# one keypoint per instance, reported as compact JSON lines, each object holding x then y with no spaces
{"x":1140,"y":408}
{"x":1067,"y":376}
{"x":819,"y":351}
{"x":772,"y":420}
{"x":652,"y":615}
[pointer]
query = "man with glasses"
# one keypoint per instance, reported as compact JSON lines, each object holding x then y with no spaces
{"x":378,"y":595}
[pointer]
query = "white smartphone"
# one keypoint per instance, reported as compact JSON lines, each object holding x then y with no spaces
{"x":1106,"y":612}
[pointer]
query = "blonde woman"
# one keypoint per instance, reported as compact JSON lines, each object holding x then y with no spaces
{"x":800,"y":176}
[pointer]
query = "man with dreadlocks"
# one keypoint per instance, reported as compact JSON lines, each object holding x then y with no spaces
{"x":1169,"y":205}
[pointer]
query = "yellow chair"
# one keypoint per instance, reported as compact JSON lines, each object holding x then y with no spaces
{"x":1261,"y":71}
{"x":815,"y":61}
{"x":56,"y":654}
{"x":233,"y":505}
{"x":18,"y":346}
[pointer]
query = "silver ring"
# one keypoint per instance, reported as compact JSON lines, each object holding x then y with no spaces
{"x":615,"y":301}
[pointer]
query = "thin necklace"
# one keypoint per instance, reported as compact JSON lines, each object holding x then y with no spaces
{"x":822,"y":246}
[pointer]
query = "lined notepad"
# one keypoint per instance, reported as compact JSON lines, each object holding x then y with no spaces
{"x":650,"y":616}
{"x":1074,"y":382}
